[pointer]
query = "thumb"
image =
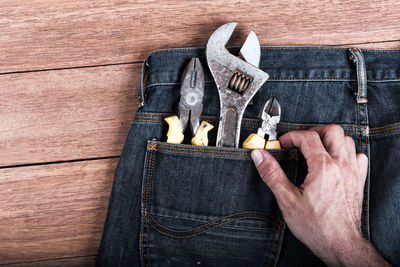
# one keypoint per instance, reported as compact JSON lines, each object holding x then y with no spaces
{"x":275,"y":178}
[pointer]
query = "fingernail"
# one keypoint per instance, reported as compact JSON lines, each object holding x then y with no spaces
{"x":257,"y":157}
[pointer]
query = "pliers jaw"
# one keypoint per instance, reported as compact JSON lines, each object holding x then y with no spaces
{"x":270,"y":116}
{"x":192,"y":92}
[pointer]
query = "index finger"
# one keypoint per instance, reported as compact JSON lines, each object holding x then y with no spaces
{"x":309,"y":142}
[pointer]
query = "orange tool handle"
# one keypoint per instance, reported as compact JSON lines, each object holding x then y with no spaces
{"x":255,"y":141}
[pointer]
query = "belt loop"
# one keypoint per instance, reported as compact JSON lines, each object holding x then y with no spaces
{"x":141,"y":97}
{"x":357,"y":57}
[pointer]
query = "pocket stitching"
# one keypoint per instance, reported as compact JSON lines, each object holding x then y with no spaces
{"x":277,"y":230}
{"x":272,"y":220}
{"x":149,"y":167}
{"x":220,"y":151}
{"x":152,"y":153}
{"x":208,"y":229}
{"x":148,"y":192}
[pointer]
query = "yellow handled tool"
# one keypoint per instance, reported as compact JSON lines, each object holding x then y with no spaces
{"x":201,"y":136}
{"x":270,"y":115}
{"x":190,"y":105}
{"x":176,"y":136}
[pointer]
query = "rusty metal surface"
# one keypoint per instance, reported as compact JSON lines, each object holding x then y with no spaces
{"x":235,"y":92}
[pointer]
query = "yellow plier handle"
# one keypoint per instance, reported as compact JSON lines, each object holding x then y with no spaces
{"x":175,"y":135}
{"x":255,"y":141}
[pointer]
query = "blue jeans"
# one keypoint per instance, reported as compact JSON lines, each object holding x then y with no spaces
{"x":184,"y":205}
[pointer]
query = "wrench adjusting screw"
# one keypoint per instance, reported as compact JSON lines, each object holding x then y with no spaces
{"x":239,"y":82}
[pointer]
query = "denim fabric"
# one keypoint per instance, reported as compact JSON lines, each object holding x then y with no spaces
{"x":184,"y":205}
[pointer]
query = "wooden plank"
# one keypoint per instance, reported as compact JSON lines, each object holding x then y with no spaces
{"x":377,"y":45}
{"x":53,"y":211}
{"x":65,"y":33}
{"x":86,"y":261}
{"x":66,"y":114}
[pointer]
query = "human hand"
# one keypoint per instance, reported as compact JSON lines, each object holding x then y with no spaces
{"x":325,"y":211}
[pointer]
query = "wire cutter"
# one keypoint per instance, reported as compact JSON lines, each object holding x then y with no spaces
{"x":270,"y":116}
{"x":190,"y":106}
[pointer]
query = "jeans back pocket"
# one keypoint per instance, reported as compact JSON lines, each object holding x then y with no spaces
{"x":208,"y":206}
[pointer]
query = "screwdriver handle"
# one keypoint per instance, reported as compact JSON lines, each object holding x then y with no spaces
{"x":174,"y":134}
{"x":201,"y":136}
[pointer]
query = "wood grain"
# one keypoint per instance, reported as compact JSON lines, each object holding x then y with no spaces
{"x":53,"y":214}
{"x":66,"y":114}
{"x":63,"y":33}
{"x":86,"y":261}
{"x":54,"y":210}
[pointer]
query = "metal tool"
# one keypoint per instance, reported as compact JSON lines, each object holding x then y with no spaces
{"x":237,"y":79}
{"x":270,"y":115}
{"x":190,"y":106}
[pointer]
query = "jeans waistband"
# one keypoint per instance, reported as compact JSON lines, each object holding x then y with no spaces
{"x":289,"y":63}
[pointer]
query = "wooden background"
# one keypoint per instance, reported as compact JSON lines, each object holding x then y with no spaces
{"x":69,"y":75}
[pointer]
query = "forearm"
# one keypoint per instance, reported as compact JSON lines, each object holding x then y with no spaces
{"x":359,"y":253}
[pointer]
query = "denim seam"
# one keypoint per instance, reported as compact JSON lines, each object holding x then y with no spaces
{"x":283,"y":154}
{"x":272,"y":79}
{"x":150,"y":199}
{"x":351,"y":129}
{"x":145,"y":202}
{"x":312,"y":48}
{"x":361,"y":98}
{"x":211,"y":149}
{"x":367,"y":179}
{"x":244,"y":124}
{"x":208,"y":229}
{"x":359,"y":124}
{"x":206,"y":221}
{"x":246,"y":121}
{"x":272,"y":245}
{"x":386,"y":127}
{"x":144,"y":206}
{"x":215,"y":150}
{"x":149,"y":166}
{"x":292,"y":177}
{"x":232,"y":156}
{"x":387,"y":132}
{"x":271,"y":219}
{"x":160,"y":116}
{"x":281,"y":233}
{"x":288,"y":79}
{"x":274,"y":220}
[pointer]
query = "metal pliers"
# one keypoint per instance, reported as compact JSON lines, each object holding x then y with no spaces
{"x":270,"y":115}
{"x":190,"y":106}
{"x":237,"y":80}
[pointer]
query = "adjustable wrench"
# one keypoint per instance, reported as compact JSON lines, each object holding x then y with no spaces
{"x":237,"y":80}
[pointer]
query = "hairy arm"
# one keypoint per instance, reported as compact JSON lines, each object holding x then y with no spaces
{"x":325,"y":211}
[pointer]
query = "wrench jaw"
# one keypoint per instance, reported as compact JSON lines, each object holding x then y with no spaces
{"x":234,"y":94}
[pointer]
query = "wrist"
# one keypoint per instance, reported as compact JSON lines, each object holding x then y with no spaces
{"x":358,"y":252}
